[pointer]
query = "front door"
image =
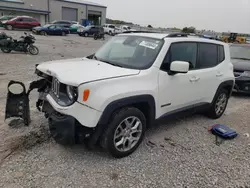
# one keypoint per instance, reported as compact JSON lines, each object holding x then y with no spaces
{"x":178,"y":91}
{"x":19,"y":23}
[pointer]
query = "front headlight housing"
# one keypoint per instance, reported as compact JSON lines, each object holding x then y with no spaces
{"x":68,"y":95}
{"x":71,"y":92}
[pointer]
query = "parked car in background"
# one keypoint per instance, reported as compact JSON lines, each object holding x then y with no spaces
{"x":75,"y":27}
{"x":21,"y":22}
{"x":124,"y":28}
{"x":111,"y":29}
{"x":240,"y":57}
{"x":51,"y":29}
{"x":89,"y":30}
{"x":64,"y":23}
{"x":4,"y":19}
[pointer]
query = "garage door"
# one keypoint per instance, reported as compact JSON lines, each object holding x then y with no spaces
{"x":69,"y":14}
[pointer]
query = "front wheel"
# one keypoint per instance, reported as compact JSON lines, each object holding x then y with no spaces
{"x":63,"y":33}
{"x":124,"y":133}
{"x":5,"y":50}
{"x":33,"y":50}
{"x":86,"y":34}
{"x":95,"y":37}
{"x":9,"y":27}
{"x":219,"y":104}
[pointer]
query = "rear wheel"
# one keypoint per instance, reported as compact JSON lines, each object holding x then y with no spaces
{"x":5,"y":50}
{"x":219,"y":104}
{"x":63,"y":33}
{"x":124,"y":133}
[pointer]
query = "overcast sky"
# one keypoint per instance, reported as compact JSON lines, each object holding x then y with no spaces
{"x":218,"y":15}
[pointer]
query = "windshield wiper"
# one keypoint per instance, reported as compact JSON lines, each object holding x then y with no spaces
{"x":94,"y":57}
{"x":110,"y":63}
{"x":242,"y":58}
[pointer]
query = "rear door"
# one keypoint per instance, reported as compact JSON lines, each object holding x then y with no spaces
{"x":27,"y":22}
{"x":58,"y":30}
{"x":207,"y":71}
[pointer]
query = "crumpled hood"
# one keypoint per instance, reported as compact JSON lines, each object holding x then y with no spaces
{"x":80,"y":70}
{"x":242,"y":65}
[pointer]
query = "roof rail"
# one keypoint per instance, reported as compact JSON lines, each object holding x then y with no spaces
{"x":139,"y":32}
{"x":177,"y":35}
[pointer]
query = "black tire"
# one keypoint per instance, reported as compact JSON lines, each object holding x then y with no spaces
{"x":63,"y":33}
{"x":86,"y":34}
{"x":107,"y":140}
{"x":63,"y":134}
{"x":211,"y":113}
{"x":33,"y":50}
{"x":110,"y":33}
{"x":95,"y":37}
{"x":43,"y":33}
{"x":9,"y":27}
{"x":5,"y":50}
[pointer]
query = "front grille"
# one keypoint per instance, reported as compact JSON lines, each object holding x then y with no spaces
{"x":55,"y":88}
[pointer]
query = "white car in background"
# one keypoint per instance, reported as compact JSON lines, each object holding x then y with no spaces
{"x":111,"y":29}
{"x":125,"y":28}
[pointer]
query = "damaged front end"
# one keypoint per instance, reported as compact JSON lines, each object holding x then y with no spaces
{"x":17,"y":104}
{"x":64,"y":129}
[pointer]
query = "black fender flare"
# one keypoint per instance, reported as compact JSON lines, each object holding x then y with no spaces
{"x":225,"y":84}
{"x":118,"y":104}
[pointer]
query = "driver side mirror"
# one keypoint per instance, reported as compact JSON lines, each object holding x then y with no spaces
{"x":179,"y":67}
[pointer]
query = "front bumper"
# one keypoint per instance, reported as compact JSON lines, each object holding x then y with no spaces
{"x":85,"y":115}
{"x":242,"y":85}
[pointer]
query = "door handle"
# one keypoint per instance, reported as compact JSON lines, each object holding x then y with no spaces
{"x":194,"y":79}
{"x":219,"y":74}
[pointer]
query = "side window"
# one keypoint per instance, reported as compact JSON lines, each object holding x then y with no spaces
{"x":19,"y":20}
{"x":181,"y":51}
{"x":26,"y":20}
{"x":52,"y":27}
{"x":221,"y":53}
{"x":208,"y":56}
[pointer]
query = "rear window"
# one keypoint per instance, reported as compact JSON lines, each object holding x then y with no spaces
{"x":208,"y":55}
{"x":221,"y":53}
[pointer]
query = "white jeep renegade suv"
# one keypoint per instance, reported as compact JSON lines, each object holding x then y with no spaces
{"x":112,"y":96}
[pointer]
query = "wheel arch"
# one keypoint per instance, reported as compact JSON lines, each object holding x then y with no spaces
{"x":228,"y":85}
{"x":145,"y":103}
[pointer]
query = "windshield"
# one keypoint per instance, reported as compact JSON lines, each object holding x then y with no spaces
{"x":240,"y":52}
{"x":130,"y":51}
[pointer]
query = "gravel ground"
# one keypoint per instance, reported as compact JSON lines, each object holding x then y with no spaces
{"x":177,"y":153}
